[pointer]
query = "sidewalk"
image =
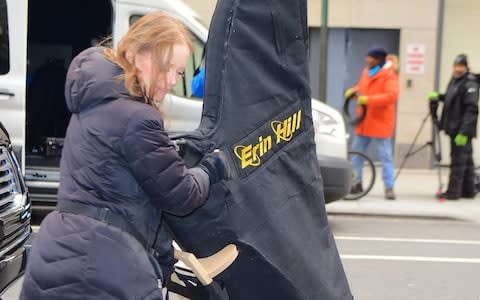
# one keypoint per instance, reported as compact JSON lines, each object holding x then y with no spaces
{"x":415,"y":190}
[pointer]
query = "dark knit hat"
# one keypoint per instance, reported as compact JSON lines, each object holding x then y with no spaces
{"x":378,"y":53}
{"x":461,"y":59}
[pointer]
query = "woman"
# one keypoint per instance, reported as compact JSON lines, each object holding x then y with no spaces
{"x":119,"y":172}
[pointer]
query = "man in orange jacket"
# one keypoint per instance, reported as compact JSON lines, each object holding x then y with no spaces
{"x":378,"y":89}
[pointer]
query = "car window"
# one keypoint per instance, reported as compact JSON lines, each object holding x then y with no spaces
{"x":4,"y":43}
{"x":184,"y":86}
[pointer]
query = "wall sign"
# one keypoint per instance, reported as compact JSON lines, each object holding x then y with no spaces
{"x":415,"y":62}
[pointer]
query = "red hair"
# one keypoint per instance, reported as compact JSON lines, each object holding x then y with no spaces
{"x":155,"y":33}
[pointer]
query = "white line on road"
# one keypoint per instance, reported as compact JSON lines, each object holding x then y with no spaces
{"x":407,"y":240}
{"x":412,"y":258}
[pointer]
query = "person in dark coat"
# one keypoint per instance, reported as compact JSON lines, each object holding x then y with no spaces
{"x":459,"y":122}
{"x":119,"y":173}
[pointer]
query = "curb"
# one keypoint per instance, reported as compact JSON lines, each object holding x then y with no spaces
{"x":396,"y":216}
{"x":464,"y":210}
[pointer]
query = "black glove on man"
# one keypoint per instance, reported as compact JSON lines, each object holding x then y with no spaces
{"x":216,"y":166}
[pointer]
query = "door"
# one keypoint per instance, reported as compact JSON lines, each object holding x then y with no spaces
{"x":13,"y":62}
{"x":359,"y":41}
{"x":346,"y":57}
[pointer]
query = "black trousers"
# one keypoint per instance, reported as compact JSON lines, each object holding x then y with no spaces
{"x":462,"y":170}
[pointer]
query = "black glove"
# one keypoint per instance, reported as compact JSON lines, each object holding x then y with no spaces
{"x":216,"y":166}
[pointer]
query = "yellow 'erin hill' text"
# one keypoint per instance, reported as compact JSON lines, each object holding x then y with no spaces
{"x":284,"y":130}
{"x":250,"y":155}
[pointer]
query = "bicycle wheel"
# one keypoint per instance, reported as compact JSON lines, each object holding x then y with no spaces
{"x":351,"y":113}
{"x":360,"y":189}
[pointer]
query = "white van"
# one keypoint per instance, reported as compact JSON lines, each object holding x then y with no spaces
{"x":38,"y":39}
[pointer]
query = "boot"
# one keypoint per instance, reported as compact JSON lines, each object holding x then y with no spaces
{"x":468,"y":195}
{"x":356,"y":188}
{"x":389,"y":194}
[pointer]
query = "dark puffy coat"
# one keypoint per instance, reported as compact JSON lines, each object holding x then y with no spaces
{"x":116,"y":155}
{"x":460,"y":109}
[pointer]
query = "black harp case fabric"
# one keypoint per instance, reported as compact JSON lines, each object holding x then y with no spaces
{"x":257,"y":108}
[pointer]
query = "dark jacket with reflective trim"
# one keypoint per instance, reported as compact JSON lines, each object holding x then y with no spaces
{"x":460,"y":109}
{"x":116,"y":155}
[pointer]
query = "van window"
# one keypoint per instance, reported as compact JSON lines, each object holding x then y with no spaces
{"x":4,"y":44}
{"x":183,"y":88}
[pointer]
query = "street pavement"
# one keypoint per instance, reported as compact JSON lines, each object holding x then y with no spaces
{"x":409,"y":258}
{"x":402,"y":258}
{"x":415,"y":190}
{"x":415,"y":247}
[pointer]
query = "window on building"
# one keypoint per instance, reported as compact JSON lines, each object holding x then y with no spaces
{"x":183,"y":88}
{"x":4,"y":43}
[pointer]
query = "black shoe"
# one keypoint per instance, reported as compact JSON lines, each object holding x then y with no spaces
{"x":356,"y":188}
{"x":448,"y":196}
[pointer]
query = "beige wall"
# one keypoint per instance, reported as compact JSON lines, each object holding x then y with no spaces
{"x":462,"y":20}
{"x":417,"y":20}
{"x":376,"y":13}
{"x":413,"y":105}
{"x":204,"y":8}
{"x":356,"y":13}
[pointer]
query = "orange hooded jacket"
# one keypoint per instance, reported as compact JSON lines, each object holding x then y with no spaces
{"x":382,"y":92}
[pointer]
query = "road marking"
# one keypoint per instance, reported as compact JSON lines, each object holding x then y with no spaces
{"x":412,"y":258}
{"x":35,"y":228}
{"x":407,"y":240}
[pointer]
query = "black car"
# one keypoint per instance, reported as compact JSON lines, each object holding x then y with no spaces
{"x":15,"y":211}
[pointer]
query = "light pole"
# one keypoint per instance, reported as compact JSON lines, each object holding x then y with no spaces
{"x":323,"y":52}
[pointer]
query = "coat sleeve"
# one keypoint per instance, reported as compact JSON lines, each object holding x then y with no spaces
{"x":158,"y":168}
{"x":390,"y":92}
{"x":470,"y":110}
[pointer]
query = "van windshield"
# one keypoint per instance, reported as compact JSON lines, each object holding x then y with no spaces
{"x":201,"y":21}
{"x":4,"y":46}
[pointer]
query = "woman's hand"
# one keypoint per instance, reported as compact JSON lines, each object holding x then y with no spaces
{"x":216,"y":166}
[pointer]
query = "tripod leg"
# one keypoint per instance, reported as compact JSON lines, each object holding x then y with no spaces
{"x":439,"y":194}
{"x":437,"y":152}
{"x":410,"y":151}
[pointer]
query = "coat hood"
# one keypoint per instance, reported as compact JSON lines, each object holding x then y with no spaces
{"x":92,"y":79}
